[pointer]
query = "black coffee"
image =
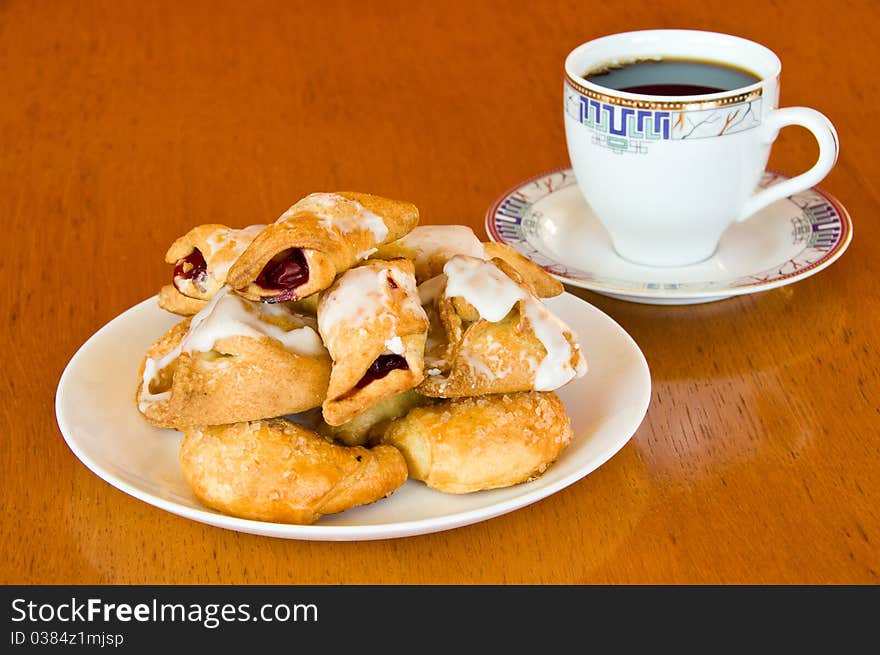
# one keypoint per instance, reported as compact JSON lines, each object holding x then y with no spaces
{"x":672,"y":77}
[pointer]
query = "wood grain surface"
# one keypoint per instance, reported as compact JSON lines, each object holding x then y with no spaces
{"x":122,"y":124}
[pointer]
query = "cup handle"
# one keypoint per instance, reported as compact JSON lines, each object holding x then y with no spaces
{"x":829,"y":147}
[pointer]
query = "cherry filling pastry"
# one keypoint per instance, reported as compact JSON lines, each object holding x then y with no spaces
{"x":192,"y":267}
{"x":382,"y":367}
{"x":286,"y":272}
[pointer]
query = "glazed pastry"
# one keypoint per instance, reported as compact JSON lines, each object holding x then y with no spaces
{"x":469,"y":444}
{"x":171,"y":300}
{"x":275,"y":470}
{"x":542,"y":283}
{"x":374,"y":326}
{"x":156,"y":375}
{"x":203,"y":256}
{"x":491,"y":334}
{"x":319,"y":237}
{"x":368,"y":426}
{"x":431,"y":246}
{"x":235,"y":360}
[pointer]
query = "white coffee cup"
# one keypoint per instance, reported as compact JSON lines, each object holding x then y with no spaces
{"x":666,"y":175}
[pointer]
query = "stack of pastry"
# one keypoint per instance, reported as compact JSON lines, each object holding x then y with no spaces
{"x":327,"y":357}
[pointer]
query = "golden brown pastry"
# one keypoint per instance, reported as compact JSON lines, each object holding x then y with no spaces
{"x":373,"y":324}
{"x":156,"y":374}
{"x":490,"y":333}
{"x":203,"y":256}
{"x":307,"y":306}
{"x":368,"y":426}
{"x":236,"y":360}
{"x":544,"y":284}
{"x":468,"y":444}
{"x":319,"y":237}
{"x":431,"y":246}
{"x":275,"y":470}
{"x":171,"y":300}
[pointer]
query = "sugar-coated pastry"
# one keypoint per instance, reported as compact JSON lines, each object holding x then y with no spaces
{"x":319,"y":237}
{"x":171,"y":300}
{"x":368,"y":426}
{"x":469,"y":444}
{"x":491,"y":334}
{"x":373,"y":324}
{"x":431,"y":246}
{"x":203,"y":256}
{"x":236,"y":360}
{"x":275,"y":470}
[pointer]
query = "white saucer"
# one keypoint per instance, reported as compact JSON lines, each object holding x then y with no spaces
{"x":547,"y":220}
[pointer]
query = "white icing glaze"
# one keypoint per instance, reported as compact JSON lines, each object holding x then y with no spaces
{"x":361,"y":293}
{"x":239,"y":240}
{"x":430,"y":290}
{"x":357,"y":295}
{"x":411,"y":301}
{"x":340,"y":212}
{"x":230,"y":315}
{"x":493,"y":295}
{"x":555,"y":369}
{"x":395,"y":345}
{"x":483,"y":285}
{"x":442,"y":240}
{"x":366,"y":253}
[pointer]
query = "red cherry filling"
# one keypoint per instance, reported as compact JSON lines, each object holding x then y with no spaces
{"x":192,"y":267}
{"x":382,"y":367}
{"x":286,"y":272}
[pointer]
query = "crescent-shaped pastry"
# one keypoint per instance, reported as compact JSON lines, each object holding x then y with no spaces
{"x":171,"y":300}
{"x":203,"y":256}
{"x":373,"y":324}
{"x":491,"y":334}
{"x":236,"y":360}
{"x":469,"y":444}
{"x":319,"y":237}
{"x":275,"y":470}
{"x":431,"y":246}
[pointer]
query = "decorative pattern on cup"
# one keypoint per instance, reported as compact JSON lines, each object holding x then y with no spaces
{"x":627,"y":125}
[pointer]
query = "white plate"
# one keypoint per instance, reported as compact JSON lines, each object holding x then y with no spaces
{"x":547,"y":219}
{"x":96,"y":412}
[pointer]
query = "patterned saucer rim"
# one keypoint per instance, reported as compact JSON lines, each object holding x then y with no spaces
{"x":502,"y":230}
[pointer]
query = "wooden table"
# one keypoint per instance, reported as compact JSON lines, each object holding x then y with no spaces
{"x":125,"y":123}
